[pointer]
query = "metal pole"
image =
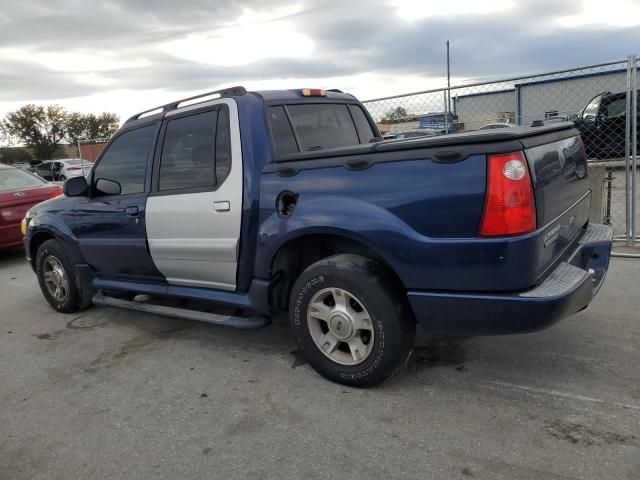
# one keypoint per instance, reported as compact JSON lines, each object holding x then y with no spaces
{"x":80,"y":157}
{"x":447,"y":113}
{"x":627,"y":153}
{"x":446,"y":121}
{"x":607,"y":217}
{"x":634,"y":146}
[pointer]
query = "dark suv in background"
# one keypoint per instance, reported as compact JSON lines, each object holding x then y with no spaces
{"x":602,"y":123}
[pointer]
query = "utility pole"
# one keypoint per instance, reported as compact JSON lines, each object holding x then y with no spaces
{"x":448,"y":95}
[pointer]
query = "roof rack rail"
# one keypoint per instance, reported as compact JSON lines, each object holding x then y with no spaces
{"x":225,"y":92}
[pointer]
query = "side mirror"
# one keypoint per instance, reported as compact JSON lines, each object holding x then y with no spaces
{"x":75,"y":187}
{"x":108,"y":187}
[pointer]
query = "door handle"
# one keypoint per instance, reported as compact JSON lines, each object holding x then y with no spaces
{"x":223,"y":206}
{"x":133,"y":211}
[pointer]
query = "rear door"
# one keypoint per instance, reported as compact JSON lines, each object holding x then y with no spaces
{"x":110,"y":224}
{"x":45,"y":170}
{"x":195,"y":208}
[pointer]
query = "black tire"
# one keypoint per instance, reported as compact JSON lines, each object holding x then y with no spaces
{"x":392,"y":321}
{"x":62,"y":178}
{"x":79,"y":294}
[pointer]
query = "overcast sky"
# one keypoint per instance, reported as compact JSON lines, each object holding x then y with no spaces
{"x":128,"y":55}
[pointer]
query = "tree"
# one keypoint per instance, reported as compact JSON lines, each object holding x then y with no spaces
{"x":11,"y":155}
{"x":90,"y":126}
{"x":395,"y":115}
{"x":40,"y":128}
{"x":43,"y":129}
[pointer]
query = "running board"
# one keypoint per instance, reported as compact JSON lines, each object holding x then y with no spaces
{"x":243,"y":323}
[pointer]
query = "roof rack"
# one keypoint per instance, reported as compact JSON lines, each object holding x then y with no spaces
{"x":226,"y":92}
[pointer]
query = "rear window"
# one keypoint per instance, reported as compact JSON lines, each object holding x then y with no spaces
{"x":318,"y":127}
{"x":11,"y":179}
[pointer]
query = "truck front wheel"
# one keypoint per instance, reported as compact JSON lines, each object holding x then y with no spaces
{"x":59,"y":281}
{"x":350,"y":320}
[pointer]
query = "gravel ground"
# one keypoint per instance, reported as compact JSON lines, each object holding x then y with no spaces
{"x":115,"y":394}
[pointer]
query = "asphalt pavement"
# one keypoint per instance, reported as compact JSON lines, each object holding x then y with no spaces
{"x":123,"y":395}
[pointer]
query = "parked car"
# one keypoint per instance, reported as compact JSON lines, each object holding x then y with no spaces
{"x":602,"y":123}
{"x":60,"y":170}
{"x":19,"y":191}
{"x":23,"y":166}
{"x":480,"y":233}
{"x":493,"y":126}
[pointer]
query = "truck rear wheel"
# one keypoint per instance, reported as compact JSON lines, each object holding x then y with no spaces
{"x":350,"y":320}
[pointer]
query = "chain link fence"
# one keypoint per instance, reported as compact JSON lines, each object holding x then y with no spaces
{"x":596,"y":97}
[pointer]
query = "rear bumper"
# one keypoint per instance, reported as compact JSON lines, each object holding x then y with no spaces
{"x":568,"y":289}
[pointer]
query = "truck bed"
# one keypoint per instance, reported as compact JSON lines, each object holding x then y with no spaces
{"x":420,"y":202}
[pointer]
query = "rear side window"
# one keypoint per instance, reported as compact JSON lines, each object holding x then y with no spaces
{"x":223,"y":147}
{"x":283,"y":139}
{"x":196,"y":152}
{"x":187,"y":152}
{"x":365,"y":133}
{"x":323,"y":126}
{"x":125,"y":161}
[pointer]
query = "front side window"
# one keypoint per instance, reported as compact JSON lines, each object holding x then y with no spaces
{"x":125,"y":161}
{"x":616,"y":109}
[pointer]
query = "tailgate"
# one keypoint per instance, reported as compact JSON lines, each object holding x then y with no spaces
{"x":558,"y":170}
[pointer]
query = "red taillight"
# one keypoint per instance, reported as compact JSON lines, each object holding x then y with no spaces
{"x":509,"y":205}
{"x":74,"y":168}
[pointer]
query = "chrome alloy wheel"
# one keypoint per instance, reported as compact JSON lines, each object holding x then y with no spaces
{"x":55,"y":279}
{"x":340,"y":326}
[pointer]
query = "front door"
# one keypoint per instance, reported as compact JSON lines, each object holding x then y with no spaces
{"x":110,"y":223}
{"x":612,"y":126}
{"x":195,"y":207}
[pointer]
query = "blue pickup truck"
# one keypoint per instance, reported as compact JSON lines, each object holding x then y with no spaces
{"x":254,"y":203}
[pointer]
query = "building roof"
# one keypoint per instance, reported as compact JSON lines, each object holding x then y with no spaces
{"x":543,"y":81}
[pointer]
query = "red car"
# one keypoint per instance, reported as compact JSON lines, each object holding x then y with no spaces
{"x":19,"y":191}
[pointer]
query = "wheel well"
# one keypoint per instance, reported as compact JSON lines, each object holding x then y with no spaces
{"x":298,"y":254}
{"x":35,"y":243}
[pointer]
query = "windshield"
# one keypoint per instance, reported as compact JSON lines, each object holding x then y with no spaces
{"x":591,"y":110}
{"x":12,"y":179}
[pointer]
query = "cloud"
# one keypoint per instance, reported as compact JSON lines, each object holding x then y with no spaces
{"x":73,"y":49}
